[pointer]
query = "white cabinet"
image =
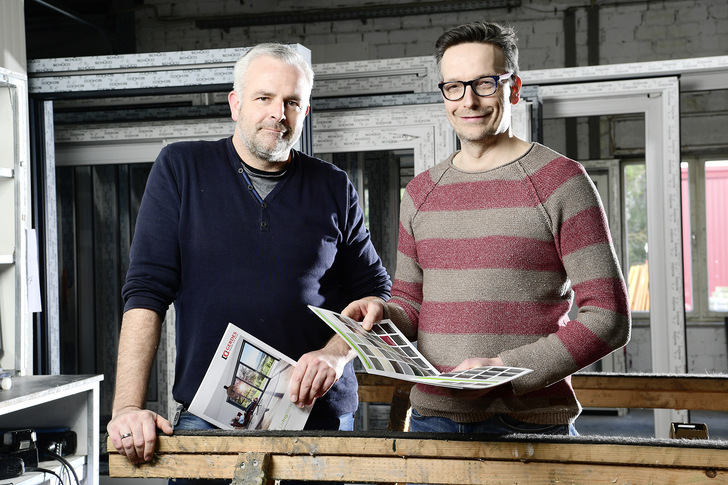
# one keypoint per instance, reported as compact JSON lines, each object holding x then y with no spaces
{"x":65,"y":401}
{"x":15,"y":323}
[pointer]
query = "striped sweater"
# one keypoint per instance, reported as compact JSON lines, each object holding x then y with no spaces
{"x":487,"y":266}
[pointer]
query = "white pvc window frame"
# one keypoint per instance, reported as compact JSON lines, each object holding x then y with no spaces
{"x":422,"y":128}
{"x":658,"y":99}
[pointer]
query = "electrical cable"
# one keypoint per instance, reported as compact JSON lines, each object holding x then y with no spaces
{"x":66,"y":465}
{"x":46,"y":470}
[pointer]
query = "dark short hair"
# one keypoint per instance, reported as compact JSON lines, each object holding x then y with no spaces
{"x":483,"y":32}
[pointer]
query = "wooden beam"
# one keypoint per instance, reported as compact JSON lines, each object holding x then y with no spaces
{"x":410,"y":458}
{"x":251,"y":469}
{"x":658,"y":391}
{"x":418,"y":470}
{"x":707,"y":392}
{"x":636,"y":451}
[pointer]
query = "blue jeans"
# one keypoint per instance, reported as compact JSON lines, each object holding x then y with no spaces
{"x":345,"y":422}
{"x":499,"y":424}
{"x":187,"y":420}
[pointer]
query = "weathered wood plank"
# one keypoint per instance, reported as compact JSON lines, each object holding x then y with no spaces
{"x":659,"y":382}
{"x":251,"y":469}
{"x":642,"y":398}
{"x":477,"y":472}
{"x":421,"y":470}
{"x":645,"y":452}
{"x":694,"y":392}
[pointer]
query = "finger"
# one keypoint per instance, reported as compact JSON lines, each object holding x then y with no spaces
{"x":460,"y":367}
{"x":139,"y":442}
{"x":467,"y":364}
{"x":328,"y":381}
{"x":305,"y":395}
{"x":164,"y":424}
{"x":115,"y":436}
{"x":319,"y":384}
{"x":128,"y":448}
{"x":119,"y":431}
{"x":294,"y":386}
{"x":149,"y":438}
{"x":352,"y":310}
{"x":369,"y":320}
{"x":117,"y":441}
{"x":374,"y":313}
{"x":133,"y":439}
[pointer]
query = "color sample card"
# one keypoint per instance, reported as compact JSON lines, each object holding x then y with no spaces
{"x":385,"y":351}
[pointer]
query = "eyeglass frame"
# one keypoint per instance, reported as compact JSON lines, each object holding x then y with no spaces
{"x":497,"y":79}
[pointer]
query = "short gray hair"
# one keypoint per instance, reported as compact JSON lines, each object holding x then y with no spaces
{"x":281,"y":52}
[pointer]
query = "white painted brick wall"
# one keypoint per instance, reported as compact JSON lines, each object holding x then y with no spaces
{"x":628,"y":33}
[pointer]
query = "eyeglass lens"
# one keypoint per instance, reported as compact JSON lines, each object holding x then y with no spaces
{"x":455,"y":90}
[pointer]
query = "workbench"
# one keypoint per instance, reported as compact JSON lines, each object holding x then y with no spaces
{"x":257,"y":458}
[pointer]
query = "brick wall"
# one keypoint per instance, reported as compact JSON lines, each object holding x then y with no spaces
{"x":628,"y":31}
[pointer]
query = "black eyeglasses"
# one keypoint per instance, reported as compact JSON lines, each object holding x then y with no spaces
{"x":483,"y":86}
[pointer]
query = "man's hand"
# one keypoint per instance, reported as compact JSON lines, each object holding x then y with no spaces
{"x":472,"y":364}
{"x":317,"y":371}
{"x":133,"y":432}
{"x":368,"y":311}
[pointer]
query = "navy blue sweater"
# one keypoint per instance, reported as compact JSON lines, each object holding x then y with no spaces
{"x":204,"y":240}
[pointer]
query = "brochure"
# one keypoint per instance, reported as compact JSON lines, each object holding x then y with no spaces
{"x":385,"y":351}
{"x":246,"y":386}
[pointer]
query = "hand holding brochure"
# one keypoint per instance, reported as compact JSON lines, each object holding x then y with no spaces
{"x":385,"y":351}
{"x":246,"y":386}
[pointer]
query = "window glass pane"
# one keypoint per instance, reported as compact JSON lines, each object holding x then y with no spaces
{"x":379,"y":177}
{"x":716,"y":214}
{"x":686,"y":239}
{"x":636,"y":234}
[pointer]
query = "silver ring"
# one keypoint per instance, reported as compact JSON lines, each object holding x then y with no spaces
{"x":126,"y":435}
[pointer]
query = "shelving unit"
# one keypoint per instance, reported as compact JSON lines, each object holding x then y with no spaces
{"x":6,"y":180}
{"x":65,"y":401}
{"x":15,"y":322}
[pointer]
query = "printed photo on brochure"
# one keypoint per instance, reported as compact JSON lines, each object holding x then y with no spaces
{"x":246,"y":386}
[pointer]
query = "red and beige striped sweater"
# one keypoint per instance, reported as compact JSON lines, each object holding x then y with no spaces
{"x":487,"y":265}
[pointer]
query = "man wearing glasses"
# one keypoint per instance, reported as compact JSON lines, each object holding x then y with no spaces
{"x":494,"y":243}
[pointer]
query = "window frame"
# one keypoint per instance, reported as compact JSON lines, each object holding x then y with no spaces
{"x":700,"y":290}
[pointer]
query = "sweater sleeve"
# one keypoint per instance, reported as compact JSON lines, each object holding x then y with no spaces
{"x":581,"y":234}
{"x":404,"y":307}
{"x":154,"y":257}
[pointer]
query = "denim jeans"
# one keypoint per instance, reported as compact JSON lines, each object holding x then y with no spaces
{"x":187,"y":420}
{"x":499,"y":424}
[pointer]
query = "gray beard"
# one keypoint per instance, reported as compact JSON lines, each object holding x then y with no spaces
{"x":277,"y":154}
{"x":274,"y":155}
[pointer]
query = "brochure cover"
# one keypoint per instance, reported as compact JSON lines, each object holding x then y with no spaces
{"x":246,"y":386}
{"x":385,"y":351}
